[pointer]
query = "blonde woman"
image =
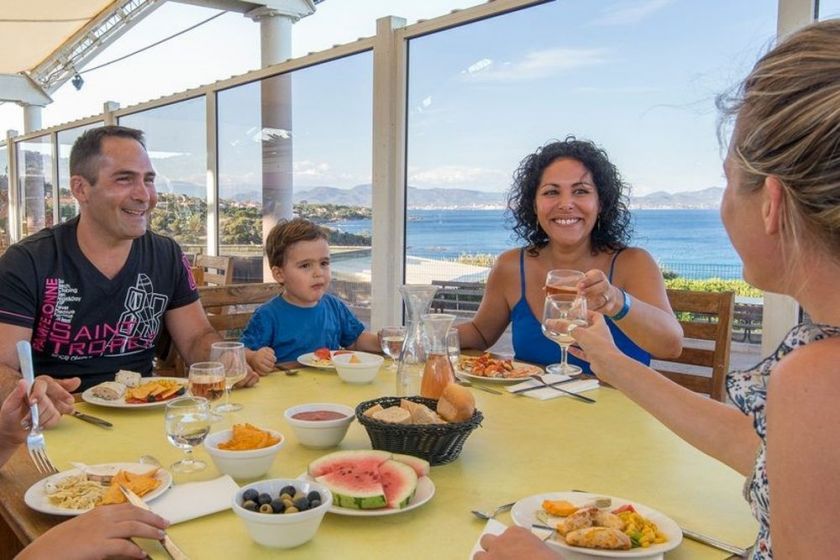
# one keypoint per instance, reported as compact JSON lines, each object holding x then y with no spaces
{"x":781,"y":209}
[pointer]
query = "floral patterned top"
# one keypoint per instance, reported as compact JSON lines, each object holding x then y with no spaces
{"x":748,"y":390}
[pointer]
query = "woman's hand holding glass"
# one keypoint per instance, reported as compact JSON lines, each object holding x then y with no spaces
{"x":391,"y":339}
{"x":601,"y":296}
{"x":187,"y":423}
{"x":232,"y":357}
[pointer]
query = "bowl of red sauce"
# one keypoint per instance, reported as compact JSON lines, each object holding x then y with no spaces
{"x":319,"y":425}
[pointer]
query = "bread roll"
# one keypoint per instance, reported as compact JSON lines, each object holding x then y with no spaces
{"x":420,"y":413}
{"x":393,"y":415}
{"x":109,"y":390}
{"x":456,"y":403}
{"x":371,"y":412}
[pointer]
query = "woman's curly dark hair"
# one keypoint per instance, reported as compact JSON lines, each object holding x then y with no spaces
{"x":613,"y":229}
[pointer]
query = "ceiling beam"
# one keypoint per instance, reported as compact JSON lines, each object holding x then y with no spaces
{"x":20,"y":88}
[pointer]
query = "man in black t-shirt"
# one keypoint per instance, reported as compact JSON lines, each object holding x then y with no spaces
{"x":93,"y":294}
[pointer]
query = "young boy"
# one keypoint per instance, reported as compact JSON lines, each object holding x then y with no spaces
{"x":304,"y":317}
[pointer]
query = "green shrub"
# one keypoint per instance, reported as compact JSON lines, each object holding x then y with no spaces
{"x":740,"y":287}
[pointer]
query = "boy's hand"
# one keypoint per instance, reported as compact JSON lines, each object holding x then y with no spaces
{"x":263,"y":360}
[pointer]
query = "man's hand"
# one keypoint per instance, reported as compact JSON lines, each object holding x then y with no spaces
{"x":251,"y":379}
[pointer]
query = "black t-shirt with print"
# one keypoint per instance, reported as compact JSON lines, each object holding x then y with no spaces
{"x":84,"y":324}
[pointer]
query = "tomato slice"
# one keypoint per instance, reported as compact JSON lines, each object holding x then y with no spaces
{"x":625,"y":507}
{"x":323,"y":354}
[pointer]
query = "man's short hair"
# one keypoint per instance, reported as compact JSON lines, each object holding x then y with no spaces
{"x":84,"y":157}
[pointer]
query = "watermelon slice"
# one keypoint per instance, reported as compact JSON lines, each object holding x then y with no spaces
{"x":399,"y":482}
{"x":420,"y":466}
{"x":355,"y":488}
{"x":365,"y":459}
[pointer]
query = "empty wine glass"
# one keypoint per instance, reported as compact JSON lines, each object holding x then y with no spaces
{"x":187,"y":423}
{"x":391,"y":339}
{"x":453,"y":347}
{"x":564,"y":282}
{"x":563,"y":313}
{"x":232,"y":357}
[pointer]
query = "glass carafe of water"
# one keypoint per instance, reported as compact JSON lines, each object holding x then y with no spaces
{"x":417,"y":299}
{"x":437,"y":371}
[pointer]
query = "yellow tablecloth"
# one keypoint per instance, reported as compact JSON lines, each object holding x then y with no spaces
{"x":524,"y":447}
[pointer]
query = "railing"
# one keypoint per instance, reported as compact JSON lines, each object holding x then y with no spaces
{"x":699,"y":271}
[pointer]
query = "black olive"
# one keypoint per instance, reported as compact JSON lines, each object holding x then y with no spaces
{"x":314,"y":503}
{"x":314,"y":495}
{"x":264,"y":499}
{"x":302,"y":503}
{"x":250,"y":494}
{"x":250,"y":505}
{"x":278,"y":506}
{"x":290,"y":490}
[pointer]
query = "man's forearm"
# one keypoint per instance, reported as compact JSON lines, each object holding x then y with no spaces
{"x":199,"y":349}
{"x":8,"y":380}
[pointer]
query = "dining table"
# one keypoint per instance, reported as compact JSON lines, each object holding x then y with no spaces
{"x":524,"y":446}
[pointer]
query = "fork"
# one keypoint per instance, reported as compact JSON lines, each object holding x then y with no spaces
{"x":486,"y":515}
{"x":35,"y":439}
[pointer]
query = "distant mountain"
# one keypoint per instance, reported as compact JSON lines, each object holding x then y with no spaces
{"x":360,"y":195}
{"x":703,"y":199}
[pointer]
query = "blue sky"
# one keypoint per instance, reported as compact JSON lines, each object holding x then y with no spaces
{"x":637,"y":76}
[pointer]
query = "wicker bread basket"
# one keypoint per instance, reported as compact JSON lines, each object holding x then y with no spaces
{"x":437,"y":443}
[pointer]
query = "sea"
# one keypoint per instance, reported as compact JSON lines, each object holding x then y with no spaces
{"x":691,"y":243}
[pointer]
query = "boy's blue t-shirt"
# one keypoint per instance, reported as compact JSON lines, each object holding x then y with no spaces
{"x":291,"y":330}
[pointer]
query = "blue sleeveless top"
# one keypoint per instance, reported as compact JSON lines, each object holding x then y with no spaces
{"x":530,"y":345}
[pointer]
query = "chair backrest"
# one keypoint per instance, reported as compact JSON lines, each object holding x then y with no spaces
{"x":239,"y":301}
{"x":706,"y":317}
{"x":215,"y":271}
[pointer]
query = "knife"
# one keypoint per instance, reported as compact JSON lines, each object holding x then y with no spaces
{"x":92,"y":419}
{"x":168,"y":544}
{"x":543,"y":386}
{"x":713,"y":542}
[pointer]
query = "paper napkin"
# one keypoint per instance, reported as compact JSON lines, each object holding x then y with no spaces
{"x":494,"y":527}
{"x":583,"y":384}
{"x":195,"y":499}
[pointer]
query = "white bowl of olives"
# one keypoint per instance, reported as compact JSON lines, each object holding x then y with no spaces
{"x":282,"y":512}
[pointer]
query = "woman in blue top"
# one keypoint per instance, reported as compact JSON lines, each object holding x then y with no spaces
{"x":304,"y":317}
{"x":568,"y":205}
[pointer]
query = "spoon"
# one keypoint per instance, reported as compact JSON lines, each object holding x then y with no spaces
{"x":487,"y":515}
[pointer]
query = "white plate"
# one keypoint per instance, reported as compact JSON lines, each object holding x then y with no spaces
{"x":308,"y":360}
{"x":37,"y":499}
{"x":524,"y":515}
{"x":88,"y":397}
{"x":425,"y":491}
{"x":535,"y":370}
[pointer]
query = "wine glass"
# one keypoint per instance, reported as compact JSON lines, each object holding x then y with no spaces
{"x":562,"y":314}
{"x":563,"y":282}
{"x":391,"y":339}
{"x":232,"y":356}
{"x":453,"y":347}
{"x":207,"y":379}
{"x":187,"y":423}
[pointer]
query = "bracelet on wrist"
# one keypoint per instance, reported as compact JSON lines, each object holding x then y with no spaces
{"x":625,"y":308}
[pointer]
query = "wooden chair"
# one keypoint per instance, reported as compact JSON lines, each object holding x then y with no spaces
{"x":215,"y":271}
{"x":704,"y":316}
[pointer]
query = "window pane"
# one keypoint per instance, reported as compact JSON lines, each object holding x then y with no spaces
{"x":67,"y":207}
{"x":35,"y":177}
{"x":4,"y":196}
{"x":639,"y":82}
{"x":290,"y":144}
{"x":829,"y":9}
{"x":177,"y":145}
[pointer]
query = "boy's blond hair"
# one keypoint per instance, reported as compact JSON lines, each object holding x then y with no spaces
{"x":288,"y":232}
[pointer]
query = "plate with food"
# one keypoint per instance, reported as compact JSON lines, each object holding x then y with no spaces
{"x":147,"y":393}
{"x":320,"y":358}
{"x":598,"y":525}
{"x":77,"y":490}
{"x":372,"y":482}
{"x":495,"y":370}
